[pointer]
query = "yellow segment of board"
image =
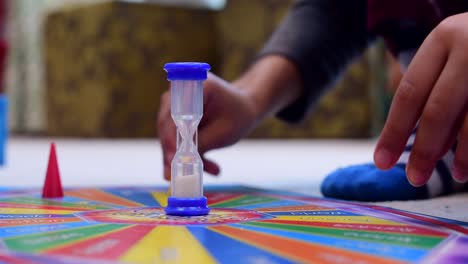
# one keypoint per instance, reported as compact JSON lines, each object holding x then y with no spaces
{"x":338,"y":219}
{"x":34,"y":211}
{"x":168,"y":245}
{"x":161,"y":197}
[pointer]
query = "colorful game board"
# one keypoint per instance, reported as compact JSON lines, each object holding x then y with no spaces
{"x":245,"y":225}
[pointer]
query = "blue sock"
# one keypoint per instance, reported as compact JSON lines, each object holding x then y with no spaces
{"x":366,"y":182}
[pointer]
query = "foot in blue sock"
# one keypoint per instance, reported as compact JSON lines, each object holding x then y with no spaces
{"x":368,"y":183}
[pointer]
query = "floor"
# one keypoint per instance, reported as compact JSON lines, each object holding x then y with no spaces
{"x":288,"y":165}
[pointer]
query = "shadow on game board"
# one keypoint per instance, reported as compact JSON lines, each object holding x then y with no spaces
{"x":245,"y":225}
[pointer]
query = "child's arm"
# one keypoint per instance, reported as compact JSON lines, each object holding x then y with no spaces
{"x":309,"y":50}
{"x":433,"y":91}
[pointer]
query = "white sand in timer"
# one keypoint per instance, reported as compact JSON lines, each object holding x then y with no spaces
{"x":187,"y":186}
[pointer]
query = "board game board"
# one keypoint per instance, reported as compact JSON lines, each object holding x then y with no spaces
{"x":245,"y":225}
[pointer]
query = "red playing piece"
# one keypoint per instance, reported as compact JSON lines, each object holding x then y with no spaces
{"x":52,"y":185}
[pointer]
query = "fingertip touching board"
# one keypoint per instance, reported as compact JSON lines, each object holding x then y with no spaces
{"x":245,"y":225}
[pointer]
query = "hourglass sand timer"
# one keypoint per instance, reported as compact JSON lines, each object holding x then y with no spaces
{"x":187,"y":167}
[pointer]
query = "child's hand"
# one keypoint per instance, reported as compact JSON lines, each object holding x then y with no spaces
{"x":228,"y":114}
{"x":434,"y":91}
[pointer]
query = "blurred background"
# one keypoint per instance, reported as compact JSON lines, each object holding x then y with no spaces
{"x":93,"y":68}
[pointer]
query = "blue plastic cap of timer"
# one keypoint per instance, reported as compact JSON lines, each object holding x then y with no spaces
{"x":187,"y":71}
{"x":187,"y":206}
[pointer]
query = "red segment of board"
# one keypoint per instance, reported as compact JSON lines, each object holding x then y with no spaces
{"x":214,"y":198}
{"x":108,"y":246}
{"x":13,"y":260}
{"x":52,"y":185}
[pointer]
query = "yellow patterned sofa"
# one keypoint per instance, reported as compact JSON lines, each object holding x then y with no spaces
{"x":104,"y":64}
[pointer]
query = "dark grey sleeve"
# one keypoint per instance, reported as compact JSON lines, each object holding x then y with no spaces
{"x":321,"y":37}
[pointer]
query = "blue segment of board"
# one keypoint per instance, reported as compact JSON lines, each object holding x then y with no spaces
{"x":304,"y":213}
{"x":372,"y":248}
{"x":7,"y":189}
{"x":445,"y":220}
{"x":3,"y":128}
{"x":30,"y":258}
{"x":228,"y":250}
{"x":273,"y":204}
{"x":138,"y":196}
{"x":32,"y":229}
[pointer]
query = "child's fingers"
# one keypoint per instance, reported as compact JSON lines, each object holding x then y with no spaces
{"x":168,"y":144}
{"x":460,"y":164}
{"x":167,"y":172}
{"x":168,"y":155}
{"x":167,"y":134}
{"x":210,"y":166}
{"x":443,"y":107}
{"x":409,"y":101}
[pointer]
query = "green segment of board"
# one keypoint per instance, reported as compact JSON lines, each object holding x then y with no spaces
{"x":387,"y":238}
{"x":43,"y":241}
{"x":246,"y":200}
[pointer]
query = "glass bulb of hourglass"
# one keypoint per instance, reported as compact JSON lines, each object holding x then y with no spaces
{"x":187,"y":166}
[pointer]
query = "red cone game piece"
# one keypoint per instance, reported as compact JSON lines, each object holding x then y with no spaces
{"x":52,"y":185}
